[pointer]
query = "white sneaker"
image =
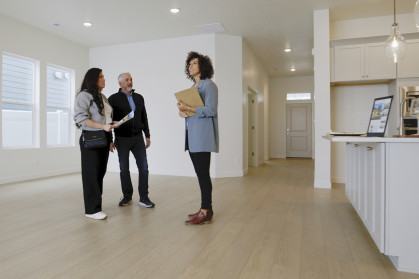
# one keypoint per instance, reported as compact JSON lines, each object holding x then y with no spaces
{"x":98,"y":215}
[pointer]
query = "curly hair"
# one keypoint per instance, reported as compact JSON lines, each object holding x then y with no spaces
{"x":205,"y":65}
{"x":89,"y":84}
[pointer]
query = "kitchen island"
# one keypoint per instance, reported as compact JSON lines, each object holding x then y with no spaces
{"x":382,"y":183}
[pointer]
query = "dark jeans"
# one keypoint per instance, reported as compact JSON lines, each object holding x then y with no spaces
{"x":93,"y":169}
{"x":136,"y":145}
{"x":201,"y":162}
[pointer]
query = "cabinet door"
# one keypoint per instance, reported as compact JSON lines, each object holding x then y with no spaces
{"x":349,"y":62}
{"x":357,"y":179}
{"x":374,"y":187}
{"x":351,"y":174}
{"x":376,"y":64}
{"x":409,"y":67}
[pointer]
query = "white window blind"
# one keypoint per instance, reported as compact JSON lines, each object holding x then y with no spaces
{"x":17,"y":102}
{"x":58,"y":105}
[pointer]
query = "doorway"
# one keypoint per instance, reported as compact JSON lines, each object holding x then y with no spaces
{"x":299,"y":130}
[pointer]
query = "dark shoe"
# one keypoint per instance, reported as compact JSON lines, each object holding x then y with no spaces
{"x":125,"y":201}
{"x":201,"y":218}
{"x":145,"y":202}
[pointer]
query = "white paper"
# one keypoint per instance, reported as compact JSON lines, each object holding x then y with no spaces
{"x":125,"y":119}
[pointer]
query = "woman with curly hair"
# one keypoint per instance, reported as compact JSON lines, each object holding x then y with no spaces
{"x":201,"y":137}
{"x":93,"y":112}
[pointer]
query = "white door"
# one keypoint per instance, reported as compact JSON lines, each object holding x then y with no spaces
{"x":299,"y":130}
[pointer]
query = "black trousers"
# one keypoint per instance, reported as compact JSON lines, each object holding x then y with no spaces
{"x":93,"y":169}
{"x":136,"y":145}
{"x":201,"y":162}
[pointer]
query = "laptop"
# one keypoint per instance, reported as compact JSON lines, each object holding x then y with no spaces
{"x":379,"y":116}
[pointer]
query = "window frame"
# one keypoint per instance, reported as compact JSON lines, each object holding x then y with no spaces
{"x":298,"y":100}
{"x":35,"y":101}
{"x":70,"y":108}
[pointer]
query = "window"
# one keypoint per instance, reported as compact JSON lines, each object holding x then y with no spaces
{"x":59,"y":88}
{"x":18,"y":101}
{"x":298,"y":96}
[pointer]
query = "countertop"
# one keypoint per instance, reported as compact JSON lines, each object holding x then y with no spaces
{"x":371,"y":139}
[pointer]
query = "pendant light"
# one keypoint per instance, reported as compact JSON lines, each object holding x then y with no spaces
{"x":395,"y":43}
{"x":416,"y":14}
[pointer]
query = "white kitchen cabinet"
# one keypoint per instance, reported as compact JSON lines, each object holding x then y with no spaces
{"x":365,"y":186}
{"x":360,"y":62}
{"x":409,"y":66}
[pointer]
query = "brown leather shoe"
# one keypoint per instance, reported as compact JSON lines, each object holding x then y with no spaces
{"x":193,"y":215}
{"x":201,"y":218}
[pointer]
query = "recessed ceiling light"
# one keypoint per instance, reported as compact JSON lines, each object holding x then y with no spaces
{"x":292,"y":69}
{"x":287,"y":50}
{"x":175,"y":10}
{"x":87,"y":24}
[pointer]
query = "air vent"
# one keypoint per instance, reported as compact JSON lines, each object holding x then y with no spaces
{"x":211,"y":28}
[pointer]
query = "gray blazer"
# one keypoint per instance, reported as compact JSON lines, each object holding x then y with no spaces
{"x":83,"y":110}
{"x":202,"y":128}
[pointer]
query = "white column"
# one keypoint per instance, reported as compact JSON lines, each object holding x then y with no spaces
{"x":321,"y":98}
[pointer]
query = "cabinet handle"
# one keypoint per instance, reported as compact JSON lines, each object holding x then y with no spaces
{"x":356,"y":145}
{"x":369,"y":148}
{"x":366,"y":75}
{"x":348,"y":143}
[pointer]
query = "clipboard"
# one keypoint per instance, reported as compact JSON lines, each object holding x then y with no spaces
{"x":191,"y":98}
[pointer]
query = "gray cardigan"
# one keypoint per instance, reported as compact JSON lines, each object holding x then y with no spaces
{"x":202,"y":128}
{"x":85,"y":109}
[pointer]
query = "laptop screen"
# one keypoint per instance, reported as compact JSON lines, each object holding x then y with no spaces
{"x":379,"y":116}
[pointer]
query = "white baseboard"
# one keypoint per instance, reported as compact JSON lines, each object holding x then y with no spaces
{"x":322,"y":184}
{"x":29,"y":176}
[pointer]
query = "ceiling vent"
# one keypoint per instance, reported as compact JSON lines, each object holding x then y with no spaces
{"x":211,"y":28}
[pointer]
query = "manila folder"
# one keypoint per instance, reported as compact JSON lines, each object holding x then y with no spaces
{"x":190,"y":97}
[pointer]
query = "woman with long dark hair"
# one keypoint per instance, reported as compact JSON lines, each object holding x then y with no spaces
{"x":92,"y":112}
{"x":201,"y":130}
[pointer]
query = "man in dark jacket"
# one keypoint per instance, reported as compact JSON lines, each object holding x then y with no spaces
{"x":129,"y":138}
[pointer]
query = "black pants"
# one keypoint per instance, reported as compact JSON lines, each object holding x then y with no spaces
{"x":136,"y":145}
{"x":93,"y":169}
{"x":201,"y":162}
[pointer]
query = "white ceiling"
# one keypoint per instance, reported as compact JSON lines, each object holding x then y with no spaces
{"x":268,"y":26}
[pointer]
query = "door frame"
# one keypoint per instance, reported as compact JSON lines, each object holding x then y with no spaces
{"x":252,"y":119}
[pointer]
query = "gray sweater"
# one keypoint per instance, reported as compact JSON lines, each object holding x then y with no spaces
{"x":85,"y":109}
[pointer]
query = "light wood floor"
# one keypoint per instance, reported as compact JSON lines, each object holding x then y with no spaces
{"x":271,"y":223}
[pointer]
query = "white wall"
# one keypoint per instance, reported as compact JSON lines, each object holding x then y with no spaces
{"x":279,"y":87}
{"x":157,"y":68}
{"x":27,"y":41}
{"x":228,"y":63}
{"x":256,"y":77}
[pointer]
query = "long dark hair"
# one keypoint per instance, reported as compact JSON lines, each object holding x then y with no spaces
{"x":89,"y":84}
{"x":205,"y":65}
